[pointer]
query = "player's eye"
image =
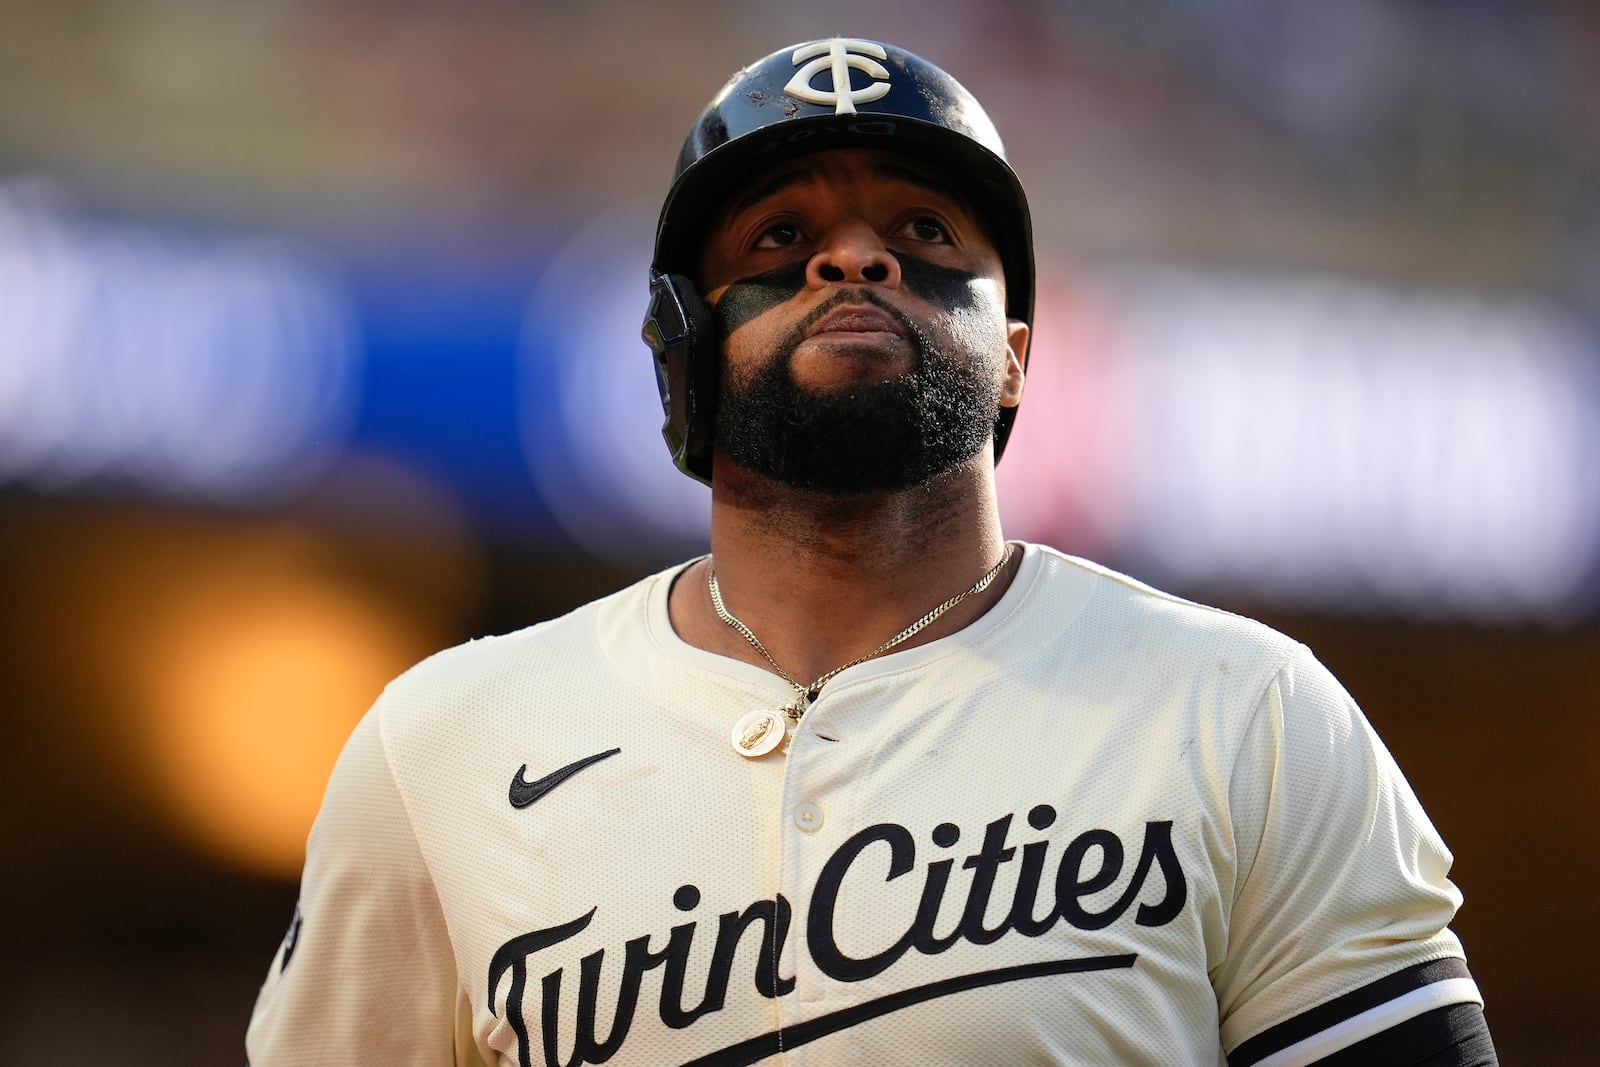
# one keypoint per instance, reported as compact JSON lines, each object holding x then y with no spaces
{"x":779,"y":235}
{"x":929,"y":229}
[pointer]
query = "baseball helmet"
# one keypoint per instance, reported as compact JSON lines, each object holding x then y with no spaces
{"x":837,"y":93}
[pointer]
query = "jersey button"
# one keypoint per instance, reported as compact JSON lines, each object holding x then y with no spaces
{"x":807,"y":817}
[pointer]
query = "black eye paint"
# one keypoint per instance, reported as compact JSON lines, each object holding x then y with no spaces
{"x":943,"y":287}
{"x":749,"y":298}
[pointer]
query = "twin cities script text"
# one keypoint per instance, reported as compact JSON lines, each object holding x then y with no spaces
{"x":1092,"y":864}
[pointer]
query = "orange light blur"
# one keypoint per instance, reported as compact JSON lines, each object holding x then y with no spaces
{"x":254,"y":703}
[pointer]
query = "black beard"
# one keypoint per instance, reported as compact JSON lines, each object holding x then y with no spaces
{"x":871,"y":437}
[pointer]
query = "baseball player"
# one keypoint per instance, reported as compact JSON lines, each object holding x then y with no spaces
{"x":867,"y":784}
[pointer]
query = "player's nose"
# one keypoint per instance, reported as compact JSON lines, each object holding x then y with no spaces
{"x":852,"y":253}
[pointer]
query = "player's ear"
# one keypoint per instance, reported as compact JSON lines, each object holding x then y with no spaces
{"x":1016,"y":356}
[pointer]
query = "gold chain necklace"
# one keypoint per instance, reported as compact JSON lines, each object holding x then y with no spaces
{"x":760,"y":731}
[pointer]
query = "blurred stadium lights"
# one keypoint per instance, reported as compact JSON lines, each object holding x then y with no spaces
{"x":1334,"y":443}
{"x":211,"y":667}
{"x":253,"y":675}
{"x":219,"y":368}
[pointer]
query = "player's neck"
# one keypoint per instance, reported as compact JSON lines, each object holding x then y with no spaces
{"x":820,"y":580}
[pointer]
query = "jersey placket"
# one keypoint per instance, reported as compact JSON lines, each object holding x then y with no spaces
{"x":824,"y":774}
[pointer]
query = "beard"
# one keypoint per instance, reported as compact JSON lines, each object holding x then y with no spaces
{"x":870,"y":437}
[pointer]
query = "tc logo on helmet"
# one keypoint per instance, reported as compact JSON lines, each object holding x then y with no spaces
{"x":839,"y":55}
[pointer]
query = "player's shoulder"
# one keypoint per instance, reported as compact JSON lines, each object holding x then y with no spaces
{"x":492,"y":671}
{"x":1132,"y":616}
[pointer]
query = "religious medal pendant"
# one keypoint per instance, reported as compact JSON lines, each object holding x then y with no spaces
{"x":757,"y":733}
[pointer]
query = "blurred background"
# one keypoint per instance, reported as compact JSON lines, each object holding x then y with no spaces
{"x":318,"y":352}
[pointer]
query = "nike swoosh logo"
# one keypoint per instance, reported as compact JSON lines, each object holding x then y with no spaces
{"x":524,"y":792}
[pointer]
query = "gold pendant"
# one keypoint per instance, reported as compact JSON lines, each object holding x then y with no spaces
{"x":757,"y":733}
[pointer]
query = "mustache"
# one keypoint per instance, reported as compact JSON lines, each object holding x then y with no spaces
{"x":854,"y":295}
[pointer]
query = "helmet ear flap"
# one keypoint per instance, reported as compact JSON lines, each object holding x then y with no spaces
{"x":682,"y":337}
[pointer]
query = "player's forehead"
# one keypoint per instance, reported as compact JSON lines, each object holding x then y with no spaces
{"x":860,"y":168}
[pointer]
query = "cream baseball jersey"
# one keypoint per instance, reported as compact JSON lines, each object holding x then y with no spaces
{"x":1098,"y":825}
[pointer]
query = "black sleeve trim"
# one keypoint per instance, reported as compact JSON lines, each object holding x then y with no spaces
{"x":1335,"y":1011}
{"x":1452,"y":1036}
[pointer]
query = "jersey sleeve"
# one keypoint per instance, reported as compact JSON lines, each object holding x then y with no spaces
{"x":1339,"y":925}
{"x":366,"y":973}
